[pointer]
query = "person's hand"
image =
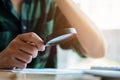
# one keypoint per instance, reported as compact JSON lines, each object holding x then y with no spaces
{"x":20,"y":51}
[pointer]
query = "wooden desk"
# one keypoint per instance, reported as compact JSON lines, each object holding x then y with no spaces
{"x":58,"y":74}
{"x":43,"y":74}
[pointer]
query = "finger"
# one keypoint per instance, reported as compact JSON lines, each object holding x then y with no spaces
{"x":33,"y":38}
{"x":19,"y":64}
{"x":24,"y":47}
{"x":23,"y":57}
{"x":12,"y":62}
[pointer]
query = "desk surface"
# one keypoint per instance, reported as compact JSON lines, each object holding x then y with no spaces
{"x":56,"y":74}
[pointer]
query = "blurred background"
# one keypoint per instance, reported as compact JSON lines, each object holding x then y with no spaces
{"x":106,"y":15}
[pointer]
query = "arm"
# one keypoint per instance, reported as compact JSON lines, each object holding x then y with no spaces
{"x":90,"y":38}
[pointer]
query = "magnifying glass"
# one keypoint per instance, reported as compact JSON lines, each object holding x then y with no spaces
{"x":57,"y":38}
{"x":60,"y":36}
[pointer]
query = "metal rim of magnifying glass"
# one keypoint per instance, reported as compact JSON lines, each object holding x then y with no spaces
{"x":64,"y":35}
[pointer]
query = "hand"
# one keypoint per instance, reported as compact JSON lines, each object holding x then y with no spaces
{"x":21,"y":50}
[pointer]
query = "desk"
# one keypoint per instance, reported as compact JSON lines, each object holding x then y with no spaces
{"x":58,"y":74}
{"x":46,"y":74}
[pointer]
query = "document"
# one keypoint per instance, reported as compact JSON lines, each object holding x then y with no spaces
{"x":48,"y":71}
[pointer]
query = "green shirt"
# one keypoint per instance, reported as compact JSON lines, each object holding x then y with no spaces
{"x":36,"y":16}
{"x":39,"y":16}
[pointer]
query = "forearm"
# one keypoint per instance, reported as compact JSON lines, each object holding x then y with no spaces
{"x":90,"y":38}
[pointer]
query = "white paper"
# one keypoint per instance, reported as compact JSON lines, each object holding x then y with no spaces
{"x":49,"y":71}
